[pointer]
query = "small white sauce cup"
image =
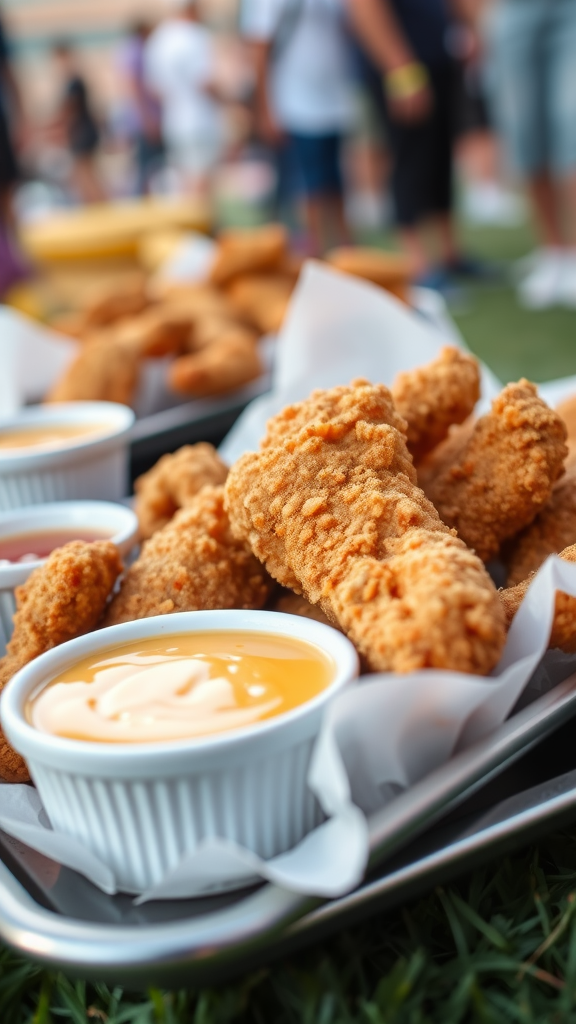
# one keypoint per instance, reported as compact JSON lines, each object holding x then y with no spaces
{"x":117,"y":522}
{"x":141,"y":806}
{"x":91,"y":466}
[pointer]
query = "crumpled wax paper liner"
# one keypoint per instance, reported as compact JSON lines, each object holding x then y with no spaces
{"x":32,"y":358}
{"x":338,"y":327}
{"x":377,"y":739}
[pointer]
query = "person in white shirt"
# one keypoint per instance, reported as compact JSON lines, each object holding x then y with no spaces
{"x":305,"y":99}
{"x":179,"y":63}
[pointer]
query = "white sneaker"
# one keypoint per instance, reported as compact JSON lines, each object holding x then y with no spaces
{"x":540,"y":289}
{"x":567,"y":286}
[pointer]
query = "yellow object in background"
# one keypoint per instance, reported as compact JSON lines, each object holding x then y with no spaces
{"x":111,"y":229}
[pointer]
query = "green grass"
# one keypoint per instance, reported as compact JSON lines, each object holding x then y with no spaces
{"x":512,"y":340}
{"x":496,"y":946}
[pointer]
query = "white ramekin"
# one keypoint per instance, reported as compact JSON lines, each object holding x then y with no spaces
{"x":90,"y":468}
{"x":140,"y":807}
{"x":117,"y":521}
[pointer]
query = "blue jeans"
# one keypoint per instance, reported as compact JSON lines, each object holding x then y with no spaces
{"x":531,"y":77}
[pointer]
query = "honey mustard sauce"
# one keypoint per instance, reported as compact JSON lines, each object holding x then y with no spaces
{"x":180,"y":687}
{"x":47,"y":436}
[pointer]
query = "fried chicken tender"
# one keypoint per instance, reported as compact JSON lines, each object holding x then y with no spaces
{"x":103,"y":371}
{"x":158,"y":331}
{"x":389,"y":270}
{"x":431,"y":398}
{"x":246,"y":250}
{"x":262,"y":299}
{"x":553,"y":529}
{"x":173,"y":482}
{"x":116,"y":304}
{"x":567,"y":411}
{"x":62,"y":599}
{"x":193,"y":563}
{"x":211,"y":330}
{"x":564,"y":626}
{"x":224,"y":366}
{"x":493,"y":478}
{"x":331,"y":507}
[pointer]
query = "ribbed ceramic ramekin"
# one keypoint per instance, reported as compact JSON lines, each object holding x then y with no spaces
{"x":91,"y":467}
{"x":115,"y":522}
{"x":141,"y":807}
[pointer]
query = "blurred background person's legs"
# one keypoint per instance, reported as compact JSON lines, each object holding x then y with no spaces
{"x":13,"y":267}
{"x":76,"y":123}
{"x":143,"y":109}
{"x":317,"y":165}
{"x":533,"y":89}
{"x":407,"y":41}
{"x":305,"y":103}
{"x":180,"y":71}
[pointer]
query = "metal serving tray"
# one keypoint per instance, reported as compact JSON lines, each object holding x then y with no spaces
{"x":480,"y":797}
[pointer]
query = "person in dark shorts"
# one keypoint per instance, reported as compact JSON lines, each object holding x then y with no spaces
{"x":13,"y":266}
{"x":408,"y":45}
{"x":305,"y":102}
{"x":79,"y":125}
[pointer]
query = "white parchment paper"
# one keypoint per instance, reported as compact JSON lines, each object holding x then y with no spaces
{"x":338,"y":327}
{"x":377,"y":739}
{"x":32,"y":358}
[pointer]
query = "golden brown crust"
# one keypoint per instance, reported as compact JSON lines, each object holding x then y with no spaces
{"x":433,"y":397}
{"x":173,"y":482}
{"x":210,"y":330}
{"x":262,"y":299}
{"x":343,"y":404}
{"x":218,"y":369}
{"x":193,"y":563}
{"x":115,"y":305}
{"x":564,"y":627}
{"x":62,"y":599}
{"x":389,"y":270}
{"x":553,"y":529}
{"x":491,"y":482}
{"x":159,"y":331}
{"x":332,"y":510}
{"x":102,"y":371}
{"x":248,"y":250}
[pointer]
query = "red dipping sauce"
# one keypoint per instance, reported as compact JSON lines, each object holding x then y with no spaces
{"x":30,"y":547}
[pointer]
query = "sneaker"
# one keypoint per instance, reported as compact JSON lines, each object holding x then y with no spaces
{"x":540,"y":289}
{"x":567,"y":287}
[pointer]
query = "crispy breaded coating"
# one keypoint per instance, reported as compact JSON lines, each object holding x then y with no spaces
{"x":109,"y":308}
{"x":103,"y":371}
{"x":158,"y":331}
{"x":567,"y":412}
{"x":262,"y":299}
{"x":389,"y":270}
{"x":246,"y":250}
{"x":342,"y":403}
{"x":224,"y":366}
{"x":210,"y":330}
{"x":553,"y":529}
{"x":493,"y":481}
{"x":62,"y":599}
{"x":193,"y":563}
{"x":431,"y":398}
{"x":333,"y":511}
{"x":173,"y":482}
{"x":564,"y":626}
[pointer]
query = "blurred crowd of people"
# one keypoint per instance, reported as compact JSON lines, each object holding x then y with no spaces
{"x":419,"y":87}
